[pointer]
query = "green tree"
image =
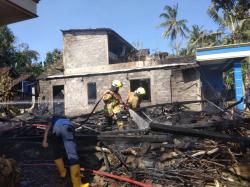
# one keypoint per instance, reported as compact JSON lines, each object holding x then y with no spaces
{"x":53,"y":57}
{"x":202,"y":38}
{"x":173,"y":27}
{"x":198,"y":37}
{"x":7,"y":48}
{"x":246,"y":72}
{"x":21,"y":57}
{"x":25,"y":58}
{"x":232,"y":16}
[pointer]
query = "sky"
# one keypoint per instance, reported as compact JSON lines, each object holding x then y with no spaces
{"x":134,"y":20}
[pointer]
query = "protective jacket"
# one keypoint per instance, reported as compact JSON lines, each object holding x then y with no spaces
{"x":133,"y":100}
{"x":113,"y":108}
{"x":112,"y":102}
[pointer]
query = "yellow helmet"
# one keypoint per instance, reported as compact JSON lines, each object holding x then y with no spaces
{"x":117,"y":84}
{"x":140,"y":91}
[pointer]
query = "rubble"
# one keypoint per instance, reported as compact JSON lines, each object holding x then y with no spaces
{"x":10,"y":173}
{"x":193,"y":149}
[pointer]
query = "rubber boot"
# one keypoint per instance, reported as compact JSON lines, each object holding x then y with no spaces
{"x":75,"y":176}
{"x":60,"y":166}
{"x":120,"y":125}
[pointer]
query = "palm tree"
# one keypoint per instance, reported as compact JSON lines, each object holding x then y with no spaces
{"x":232,"y":16}
{"x":198,"y":37}
{"x":173,"y":26}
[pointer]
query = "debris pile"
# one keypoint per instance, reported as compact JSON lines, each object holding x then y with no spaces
{"x":180,"y":148}
{"x":10,"y":173}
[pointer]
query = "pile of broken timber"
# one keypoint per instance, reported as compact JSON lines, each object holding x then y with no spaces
{"x":10,"y":173}
{"x":215,"y":153}
{"x":209,"y":154}
{"x":212,"y":153}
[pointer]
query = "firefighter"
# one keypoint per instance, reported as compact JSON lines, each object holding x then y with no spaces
{"x":113,"y":108}
{"x":63,"y":137}
{"x":134,"y":98}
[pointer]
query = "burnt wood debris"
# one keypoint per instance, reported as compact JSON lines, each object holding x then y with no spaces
{"x":178,"y":148}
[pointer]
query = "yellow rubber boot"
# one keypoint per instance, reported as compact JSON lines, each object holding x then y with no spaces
{"x":60,"y":166}
{"x":120,"y":125}
{"x":75,"y":176}
{"x":85,"y":185}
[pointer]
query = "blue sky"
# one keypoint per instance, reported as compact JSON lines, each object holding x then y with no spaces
{"x":135,"y":20}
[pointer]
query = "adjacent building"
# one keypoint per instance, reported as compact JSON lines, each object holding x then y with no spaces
{"x":12,"y":11}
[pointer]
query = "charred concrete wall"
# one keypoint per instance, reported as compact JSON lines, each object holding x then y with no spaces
{"x":82,"y":52}
{"x":166,"y":85}
{"x":186,"y":86}
{"x":46,"y":90}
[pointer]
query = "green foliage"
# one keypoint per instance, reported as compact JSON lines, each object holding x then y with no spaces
{"x":174,"y":28}
{"x":25,"y":59}
{"x":7,"y":48}
{"x":232,"y":17}
{"x":53,"y":57}
{"x":246,"y":71}
{"x":21,"y":58}
{"x":198,"y":37}
{"x":229,"y":79}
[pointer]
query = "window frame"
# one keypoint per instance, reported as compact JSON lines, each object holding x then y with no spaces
{"x":141,"y":84}
{"x":90,"y":99}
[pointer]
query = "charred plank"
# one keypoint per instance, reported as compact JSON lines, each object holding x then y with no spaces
{"x":200,"y":134}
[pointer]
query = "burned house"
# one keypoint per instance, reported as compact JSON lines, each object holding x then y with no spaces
{"x":93,"y":58}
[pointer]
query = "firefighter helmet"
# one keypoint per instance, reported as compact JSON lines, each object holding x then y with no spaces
{"x":140,"y":91}
{"x":117,"y":84}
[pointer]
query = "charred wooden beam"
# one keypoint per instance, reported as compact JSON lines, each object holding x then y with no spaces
{"x":95,"y":137}
{"x":87,"y":137}
{"x":200,"y":134}
{"x":117,"y":153}
{"x":135,"y":138}
{"x":174,"y":103}
{"x":224,"y":124}
{"x":135,"y":131}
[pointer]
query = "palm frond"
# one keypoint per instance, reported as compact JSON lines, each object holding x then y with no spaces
{"x":212,"y":12}
{"x":164,"y":15}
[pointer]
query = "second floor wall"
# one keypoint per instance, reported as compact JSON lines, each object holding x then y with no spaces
{"x":82,"y":52}
{"x":94,"y":50}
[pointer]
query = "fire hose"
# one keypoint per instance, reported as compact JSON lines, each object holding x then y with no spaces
{"x":101,"y":173}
